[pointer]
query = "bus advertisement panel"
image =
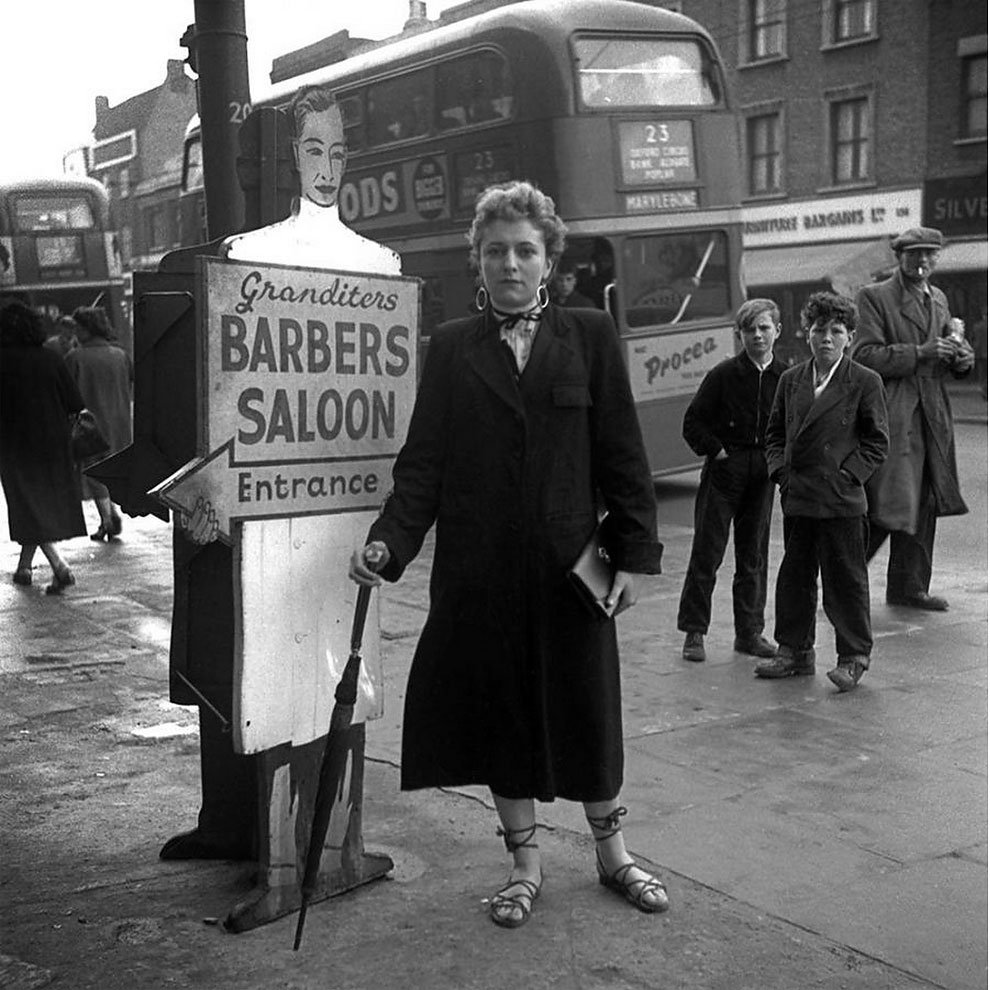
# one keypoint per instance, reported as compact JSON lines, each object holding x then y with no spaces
{"x":619,"y":111}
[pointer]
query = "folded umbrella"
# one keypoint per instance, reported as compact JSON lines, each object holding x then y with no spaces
{"x":334,"y":757}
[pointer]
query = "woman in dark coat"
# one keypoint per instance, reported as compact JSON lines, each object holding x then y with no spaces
{"x":524,"y":420}
{"x":40,"y":482}
{"x":104,"y":374}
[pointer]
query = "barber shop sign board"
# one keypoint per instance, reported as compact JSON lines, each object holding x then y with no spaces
{"x":306,"y":382}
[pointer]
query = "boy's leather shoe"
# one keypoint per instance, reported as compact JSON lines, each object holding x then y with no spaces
{"x":922,"y":600}
{"x":787,"y":663}
{"x":694,"y":647}
{"x":755,"y":645}
{"x":848,"y":672}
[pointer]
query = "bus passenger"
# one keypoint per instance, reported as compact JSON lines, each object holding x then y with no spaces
{"x":596,"y":279}
{"x":563,"y":289}
{"x":726,"y":424}
{"x":514,"y":684}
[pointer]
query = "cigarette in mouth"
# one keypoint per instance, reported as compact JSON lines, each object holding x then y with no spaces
{"x":921,"y":270}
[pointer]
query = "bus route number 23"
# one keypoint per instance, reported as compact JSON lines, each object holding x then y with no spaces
{"x":656,"y":133}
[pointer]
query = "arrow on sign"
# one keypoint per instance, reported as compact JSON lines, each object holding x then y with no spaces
{"x":212,"y":493}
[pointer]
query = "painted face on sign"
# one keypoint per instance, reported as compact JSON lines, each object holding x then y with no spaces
{"x":513,"y":263}
{"x":321,"y":157}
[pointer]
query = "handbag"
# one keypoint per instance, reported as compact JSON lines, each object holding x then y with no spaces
{"x":87,"y":438}
{"x":592,"y":574}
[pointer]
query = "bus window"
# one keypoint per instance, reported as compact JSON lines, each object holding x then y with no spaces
{"x":400,"y":108}
{"x":352,"y":112}
{"x":671,"y":278}
{"x":627,"y":72}
{"x":36,"y":213}
{"x":192,"y":166}
{"x":472,"y":90}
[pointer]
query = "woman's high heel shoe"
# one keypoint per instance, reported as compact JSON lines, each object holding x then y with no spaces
{"x":512,"y":910}
{"x":22,"y":576}
{"x":102,"y":533}
{"x":646,"y":892}
{"x":60,"y":581}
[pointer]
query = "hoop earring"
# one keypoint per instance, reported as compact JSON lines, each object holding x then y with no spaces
{"x":543,"y":300}
{"x":481,"y":299}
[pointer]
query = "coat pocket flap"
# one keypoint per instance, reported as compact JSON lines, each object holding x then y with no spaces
{"x":576,"y":394}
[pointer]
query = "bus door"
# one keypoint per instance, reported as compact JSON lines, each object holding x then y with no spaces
{"x":671,"y":295}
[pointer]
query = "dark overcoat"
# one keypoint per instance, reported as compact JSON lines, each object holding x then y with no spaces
{"x":515,"y":684}
{"x":40,"y":481}
{"x":810,"y":441}
{"x":892,"y":325}
{"x":105,"y":376}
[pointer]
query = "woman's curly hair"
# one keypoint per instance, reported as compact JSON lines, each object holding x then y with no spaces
{"x":517,"y":201}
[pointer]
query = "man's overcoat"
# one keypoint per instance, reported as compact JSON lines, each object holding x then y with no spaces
{"x":514,"y":683}
{"x":892,"y":325}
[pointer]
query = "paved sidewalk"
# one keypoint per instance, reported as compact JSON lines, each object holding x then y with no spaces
{"x":809,"y":839}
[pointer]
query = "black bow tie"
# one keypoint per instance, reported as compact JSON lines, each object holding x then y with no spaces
{"x":508,"y":321}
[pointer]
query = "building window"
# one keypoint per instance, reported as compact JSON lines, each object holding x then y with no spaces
{"x":974,"y":111}
{"x":156,"y":228}
{"x":850,"y":20}
{"x":765,"y":149}
{"x":764,"y":29}
{"x":850,"y":136}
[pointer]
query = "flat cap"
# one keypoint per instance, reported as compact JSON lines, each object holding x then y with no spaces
{"x":925,"y":238}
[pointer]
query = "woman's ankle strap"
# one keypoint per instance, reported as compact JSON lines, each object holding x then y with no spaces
{"x":528,"y":833}
{"x":609,"y":824}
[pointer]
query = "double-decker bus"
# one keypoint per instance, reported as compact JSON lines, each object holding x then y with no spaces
{"x":617,"y":110}
{"x":57,"y":249}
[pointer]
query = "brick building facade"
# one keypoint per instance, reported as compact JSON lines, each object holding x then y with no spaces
{"x":137,"y":154}
{"x":858,"y":118}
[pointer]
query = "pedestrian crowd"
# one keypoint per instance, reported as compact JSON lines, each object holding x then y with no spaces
{"x":49,"y":385}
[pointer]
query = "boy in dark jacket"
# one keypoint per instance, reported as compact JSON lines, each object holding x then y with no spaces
{"x":725,"y":423}
{"x":827,"y":434}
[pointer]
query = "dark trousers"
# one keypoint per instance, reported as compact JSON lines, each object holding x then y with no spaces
{"x":909,"y":567}
{"x":836,"y":548}
{"x":734,"y":491}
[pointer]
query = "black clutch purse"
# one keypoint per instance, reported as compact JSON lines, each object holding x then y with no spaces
{"x":592,"y":574}
{"x":87,"y":437}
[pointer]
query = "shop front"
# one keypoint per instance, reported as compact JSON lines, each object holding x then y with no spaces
{"x":796,"y":247}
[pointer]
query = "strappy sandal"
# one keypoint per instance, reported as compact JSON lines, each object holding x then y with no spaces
{"x":647,"y":893}
{"x":513,"y":910}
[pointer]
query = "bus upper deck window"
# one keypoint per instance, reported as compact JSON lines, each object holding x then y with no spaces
{"x":400,"y":108}
{"x":352,"y":112}
{"x":33,"y":213}
{"x":473,"y":89}
{"x":627,"y":72}
{"x":192,"y":177}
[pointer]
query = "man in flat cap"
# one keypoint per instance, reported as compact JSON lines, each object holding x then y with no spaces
{"x":906,"y":334}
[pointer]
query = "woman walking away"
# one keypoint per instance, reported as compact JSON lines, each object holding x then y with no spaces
{"x":523,"y":422}
{"x":104,"y":374}
{"x":40,"y":482}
